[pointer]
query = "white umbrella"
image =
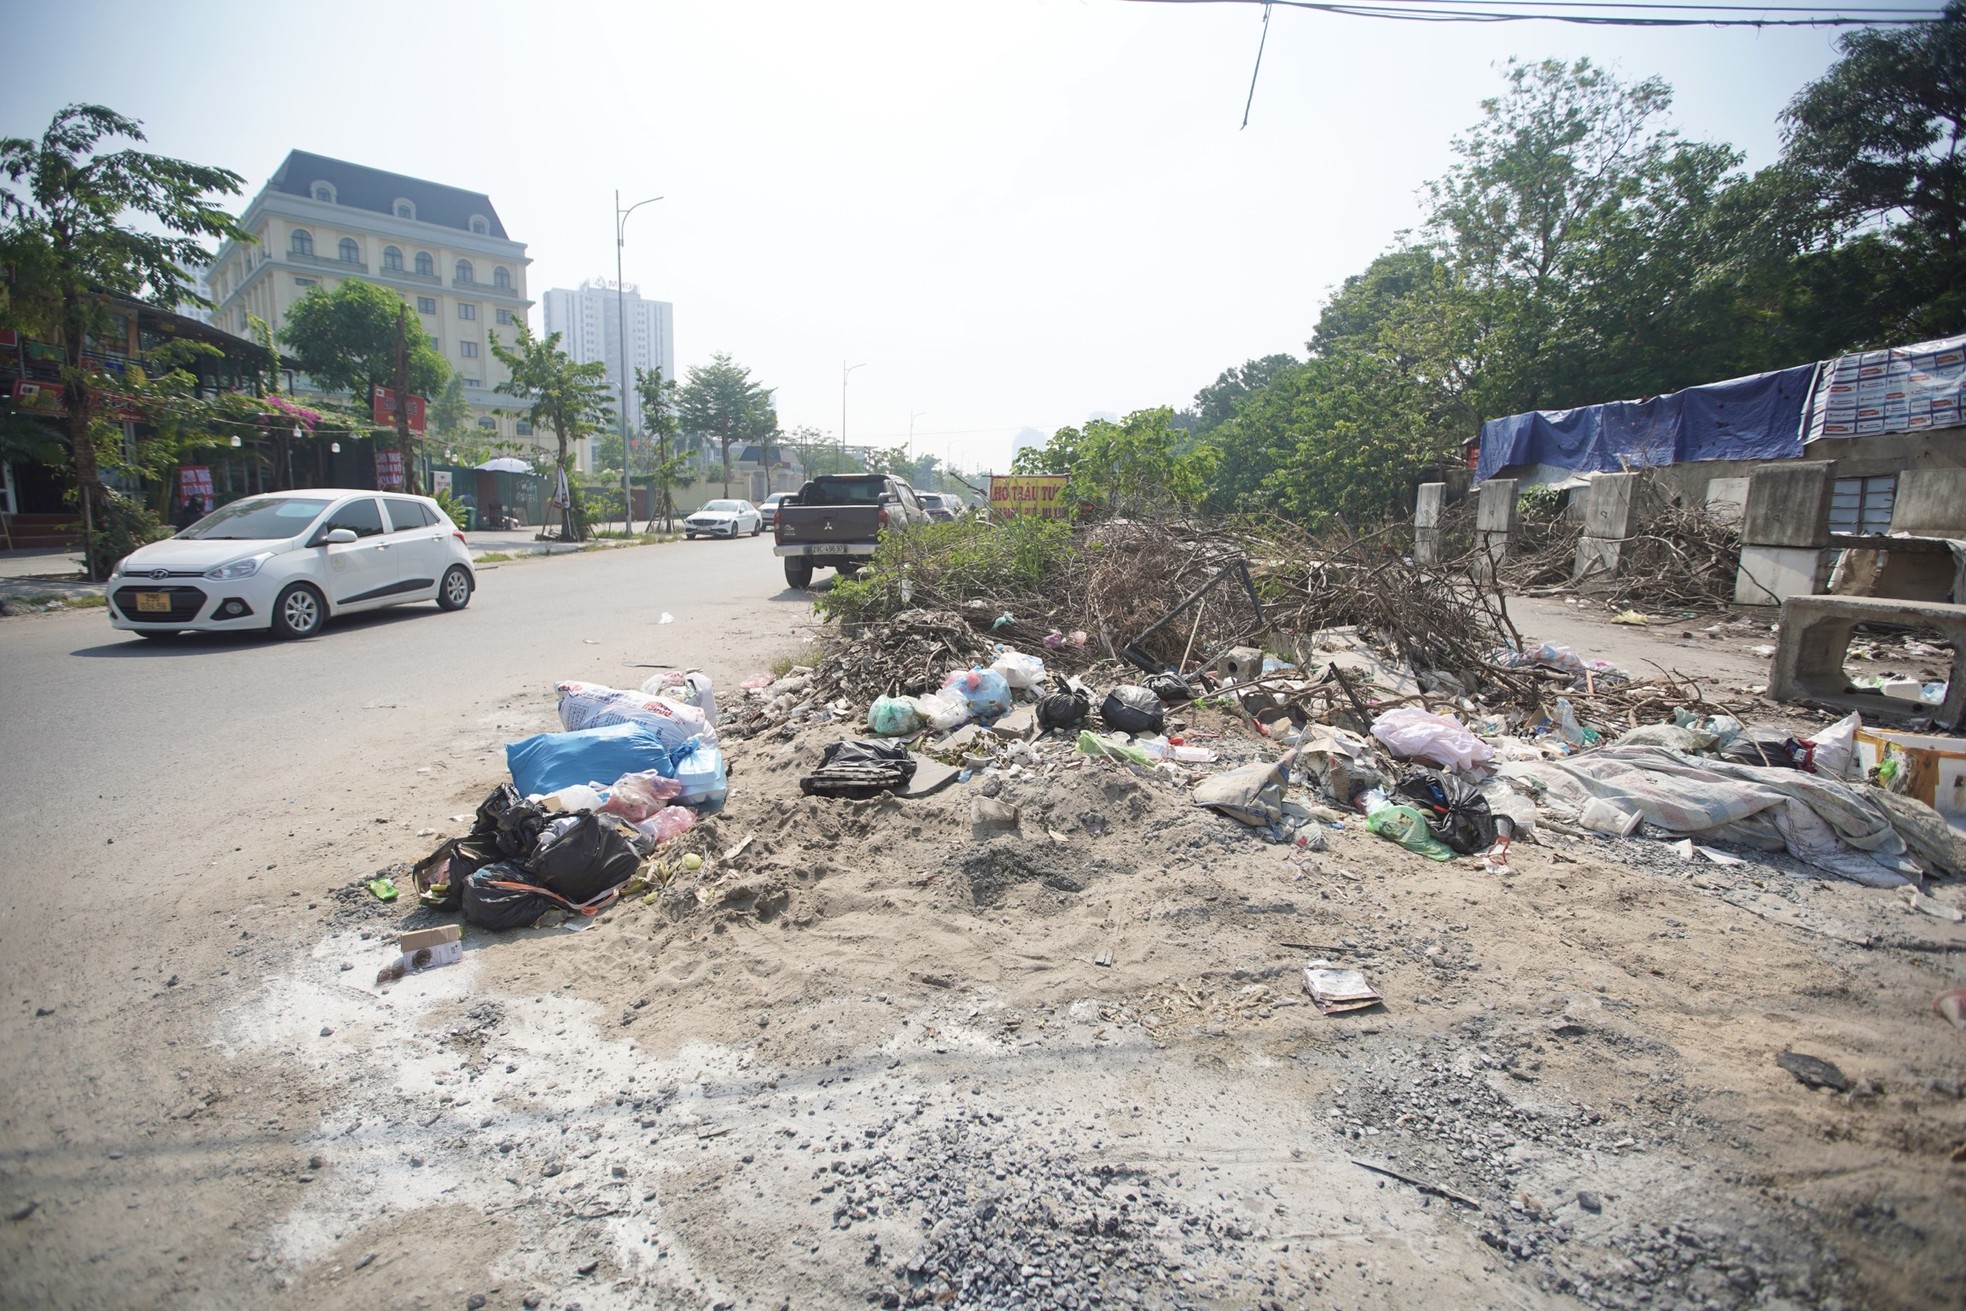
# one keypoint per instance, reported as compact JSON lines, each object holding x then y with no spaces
{"x":506,"y":464}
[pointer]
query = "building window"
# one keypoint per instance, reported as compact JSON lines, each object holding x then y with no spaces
{"x":426,"y":304}
{"x":464,"y":273}
{"x":322,"y":192}
{"x":472,"y":382}
{"x":468,"y":349}
{"x":465,"y":311}
{"x":1862,"y":505}
{"x":302,"y":242}
{"x":504,"y":317}
{"x":480,"y":225}
{"x":525,"y":428}
{"x":303,"y":282}
{"x":487,"y":422}
{"x":350,"y":252}
{"x":425,"y":265}
{"x":392,"y":259}
{"x":403,"y":209}
{"x":502,"y":278}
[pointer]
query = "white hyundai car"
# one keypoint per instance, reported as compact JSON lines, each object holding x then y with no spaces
{"x":288,"y":561}
{"x":724,"y":519}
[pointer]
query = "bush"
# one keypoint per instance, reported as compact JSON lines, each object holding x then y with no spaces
{"x":121,"y":526}
{"x":949,"y":563}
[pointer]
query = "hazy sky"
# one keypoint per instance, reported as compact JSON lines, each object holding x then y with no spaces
{"x":1014,"y":212}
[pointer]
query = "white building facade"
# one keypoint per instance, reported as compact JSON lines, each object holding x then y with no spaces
{"x":443,"y":249}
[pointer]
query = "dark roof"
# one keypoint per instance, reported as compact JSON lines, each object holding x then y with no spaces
{"x":361,"y":187}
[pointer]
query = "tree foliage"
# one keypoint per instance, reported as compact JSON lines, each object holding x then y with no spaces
{"x":723,"y":402}
{"x":79,"y":224}
{"x":569,"y":399}
{"x":1135,"y":468}
{"x":344,"y":338}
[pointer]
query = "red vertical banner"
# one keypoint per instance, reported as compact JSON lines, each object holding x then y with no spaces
{"x":194,"y":485}
{"x":389,"y":471}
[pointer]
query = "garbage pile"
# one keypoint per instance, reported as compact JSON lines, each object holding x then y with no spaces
{"x":556,"y":840}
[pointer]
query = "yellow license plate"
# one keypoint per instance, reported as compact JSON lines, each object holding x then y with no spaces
{"x":153,"y":603}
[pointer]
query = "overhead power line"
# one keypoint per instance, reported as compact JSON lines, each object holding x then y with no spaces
{"x":1629,"y":15}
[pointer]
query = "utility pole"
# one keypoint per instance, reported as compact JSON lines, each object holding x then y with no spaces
{"x":403,"y":398}
{"x":846,"y":371}
{"x":621,"y":316}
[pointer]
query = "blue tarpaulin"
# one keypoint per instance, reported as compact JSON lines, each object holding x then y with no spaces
{"x":1754,"y":418}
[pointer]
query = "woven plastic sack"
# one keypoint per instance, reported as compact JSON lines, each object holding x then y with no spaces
{"x":595,"y":705}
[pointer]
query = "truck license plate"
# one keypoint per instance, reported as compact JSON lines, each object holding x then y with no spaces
{"x":154,"y":603}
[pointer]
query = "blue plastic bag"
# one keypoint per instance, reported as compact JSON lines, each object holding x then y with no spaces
{"x":984,"y":691}
{"x":702,"y":773}
{"x":551,"y":761}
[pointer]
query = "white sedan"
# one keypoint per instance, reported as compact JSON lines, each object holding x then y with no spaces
{"x":724,"y":519}
{"x":288,"y":561}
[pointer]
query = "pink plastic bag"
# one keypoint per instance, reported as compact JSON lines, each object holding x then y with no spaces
{"x":667,"y":822}
{"x":635,"y":797}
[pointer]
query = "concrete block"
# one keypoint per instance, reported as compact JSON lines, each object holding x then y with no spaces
{"x":1496,"y":508}
{"x":1426,"y":545}
{"x":1770,"y":575}
{"x":1426,"y":522}
{"x":1608,"y":505}
{"x":1727,"y":499}
{"x":1816,"y":631}
{"x":1930,"y":503}
{"x":1788,"y":505}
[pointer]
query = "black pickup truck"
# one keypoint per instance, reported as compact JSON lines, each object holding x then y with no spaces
{"x":836,"y":520}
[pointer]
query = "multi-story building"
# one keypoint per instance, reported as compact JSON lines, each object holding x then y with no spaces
{"x":588,"y":320}
{"x":320,"y":221}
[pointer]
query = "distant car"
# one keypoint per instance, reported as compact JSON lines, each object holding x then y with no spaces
{"x":724,"y":519}
{"x":290,"y":561}
{"x":769,"y":507}
{"x":941,"y":506}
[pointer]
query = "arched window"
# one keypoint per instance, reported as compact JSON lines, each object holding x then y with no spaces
{"x":392,"y":259}
{"x":302,"y":242}
{"x":403,"y":208}
{"x":350,"y":252}
{"x":323,"y":192}
{"x":480,"y":225}
{"x":425,"y":265}
{"x":502,"y":278}
{"x":464,"y":271}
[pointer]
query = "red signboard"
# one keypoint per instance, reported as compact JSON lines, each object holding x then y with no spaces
{"x":194,"y":484}
{"x":384,"y":409}
{"x":39,"y":397}
{"x":389,"y":471}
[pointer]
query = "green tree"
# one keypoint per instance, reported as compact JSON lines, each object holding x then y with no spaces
{"x":665,"y":464}
{"x":450,"y":414}
{"x":1215,"y":403}
{"x":570,"y":399}
{"x":80,"y":224}
{"x":1875,"y":151}
{"x":817,"y":452}
{"x":1134,"y":467}
{"x":721,"y":401}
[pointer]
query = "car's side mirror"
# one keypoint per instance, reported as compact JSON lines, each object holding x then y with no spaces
{"x":336,"y":537}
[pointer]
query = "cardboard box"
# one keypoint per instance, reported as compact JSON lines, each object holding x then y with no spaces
{"x":426,"y":949}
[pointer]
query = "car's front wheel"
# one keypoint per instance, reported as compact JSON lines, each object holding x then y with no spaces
{"x":299,"y":612}
{"x":454,"y":593}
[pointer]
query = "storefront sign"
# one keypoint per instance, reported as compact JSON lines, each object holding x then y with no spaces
{"x":1039,"y":494}
{"x":194,"y":485}
{"x":440,"y":482}
{"x":389,"y":471}
{"x":384,"y":409}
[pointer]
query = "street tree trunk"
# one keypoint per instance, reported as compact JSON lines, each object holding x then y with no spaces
{"x":81,"y":438}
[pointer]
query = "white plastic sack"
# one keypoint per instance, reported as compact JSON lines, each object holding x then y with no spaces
{"x":691,"y":689}
{"x":942,"y":711}
{"x":1421,"y":735}
{"x":594,"y":705}
{"x":1019,"y":670}
{"x":1836,"y":746}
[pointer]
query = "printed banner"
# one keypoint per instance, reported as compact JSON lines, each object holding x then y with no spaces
{"x":194,"y":485}
{"x":1905,"y":389}
{"x":383,"y":411}
{"x":1040,"y":494}
{"x":440,"y":482}
{"x":389,"y":471}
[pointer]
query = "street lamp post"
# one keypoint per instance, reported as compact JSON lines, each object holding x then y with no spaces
{"x":621,"y":315}
{"x":846,"y":371}
{"x":912,"y":416}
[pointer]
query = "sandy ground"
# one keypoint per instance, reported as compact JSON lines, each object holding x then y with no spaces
{"x":886,"y":1056}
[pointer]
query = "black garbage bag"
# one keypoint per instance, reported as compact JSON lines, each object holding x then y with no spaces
{"x":1131,"y":709}
{"x":582,"y":855}
{"x":859,"y":768}
{"x":503,"y":895}
{"x":440,"y":876}
{"x":1769,"y":749}
{"x":1456,"y":813}
{"x":1169,"y":687}
{"x":1065,"y":708}
{"x":502,"y":798}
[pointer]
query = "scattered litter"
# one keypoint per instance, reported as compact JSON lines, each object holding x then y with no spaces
{"x":381,"y":889}
{"x":1952,"y":1005}
{"x":666,"y":618}
{"x":1813,"y":1071}
{"x":424,"y":949}
{"x":1335,"y":991}
{"x":1424,"y":1185}
{"x":1631,"y":617}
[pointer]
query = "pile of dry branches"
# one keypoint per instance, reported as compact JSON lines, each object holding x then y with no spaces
{"x":1677,"y":558}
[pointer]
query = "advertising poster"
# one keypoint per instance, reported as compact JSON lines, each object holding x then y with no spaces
{"x":1906,"y":389}
{"x":194,"y":485}
{"x":440,"y":482}
{"x":1040,"y":494}
{"x":389,"y":471}
{"x":384,"y":409}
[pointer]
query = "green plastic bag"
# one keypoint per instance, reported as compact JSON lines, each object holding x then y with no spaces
{"x":894,"y":716}
{"x":1091,"y":744}
{"x":1408,"y":827}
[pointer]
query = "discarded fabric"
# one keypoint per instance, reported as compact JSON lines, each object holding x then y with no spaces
{"x":1422,"y":735}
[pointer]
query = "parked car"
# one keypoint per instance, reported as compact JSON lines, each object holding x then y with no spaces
{"x":836,"y":521}
{"x":941,"y":506}
{"x":290,"y":561}
{"x":724,"y":519}
{"x":769,"y":507}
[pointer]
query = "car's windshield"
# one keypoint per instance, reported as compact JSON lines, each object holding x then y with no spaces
{"x":258,"y":519}
{"x":727,"y":507}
